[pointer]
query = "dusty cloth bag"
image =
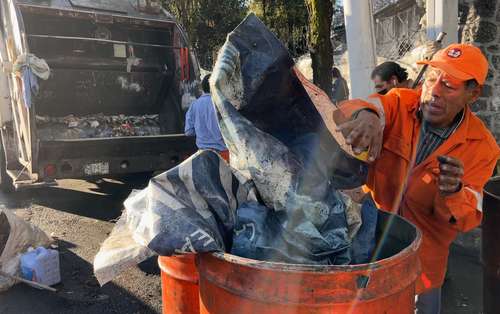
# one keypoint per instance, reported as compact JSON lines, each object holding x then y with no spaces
{"x":190,"y":208}
{"x":278,"y":128}
{"x":262,"y":98}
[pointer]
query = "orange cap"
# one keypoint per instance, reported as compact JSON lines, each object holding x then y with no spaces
{"x":462,"y":61}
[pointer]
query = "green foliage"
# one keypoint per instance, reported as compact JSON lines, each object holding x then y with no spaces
{"x":287,"y":19}
{"x":207,"y":23}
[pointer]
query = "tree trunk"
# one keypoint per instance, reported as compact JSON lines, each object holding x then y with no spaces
{"x":320,"y":46}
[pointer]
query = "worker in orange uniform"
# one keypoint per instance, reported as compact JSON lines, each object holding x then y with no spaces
{"x":430,"y":156}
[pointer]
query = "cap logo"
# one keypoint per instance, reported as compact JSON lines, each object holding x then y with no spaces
{"x":454,"y":53}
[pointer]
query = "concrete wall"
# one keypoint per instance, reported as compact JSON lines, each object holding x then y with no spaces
{"x":482,"y":27}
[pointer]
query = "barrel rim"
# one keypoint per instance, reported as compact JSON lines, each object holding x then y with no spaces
{"x":163,"y":263}
{"x":313,"y":285}
{"x":285,"y":267}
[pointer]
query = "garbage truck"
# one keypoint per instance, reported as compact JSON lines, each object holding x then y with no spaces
{"x":91,"y":89}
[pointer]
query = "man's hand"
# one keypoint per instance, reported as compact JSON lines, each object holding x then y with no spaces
{"x":364,"y":133}
{"x":451,"y":171}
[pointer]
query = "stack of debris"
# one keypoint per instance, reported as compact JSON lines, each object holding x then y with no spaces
{"x":280,"y":198}
{"x":97,"y":126}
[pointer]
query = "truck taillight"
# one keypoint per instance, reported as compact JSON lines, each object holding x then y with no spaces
{"x":50,"y":170}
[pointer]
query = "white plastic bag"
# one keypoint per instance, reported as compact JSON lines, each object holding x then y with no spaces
{"x":120,"y":250}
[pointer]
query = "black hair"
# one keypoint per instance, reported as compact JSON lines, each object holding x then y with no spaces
{"x":205,"y":84}
{"x":336,"y":72}
{"x":389,"y":69}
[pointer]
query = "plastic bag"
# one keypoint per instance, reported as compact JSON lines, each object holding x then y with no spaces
{"x":262,"y":234}
{"x":262,"y":98}
{"x":278,"y":138}
{"x":15,"y":240}
{"x":286,"y":167}
{"x":190,"y":208}
{"x":364,"y":241}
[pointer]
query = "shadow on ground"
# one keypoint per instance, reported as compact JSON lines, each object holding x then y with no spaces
{"x":79,"y":292}
{"x":103,"y":200}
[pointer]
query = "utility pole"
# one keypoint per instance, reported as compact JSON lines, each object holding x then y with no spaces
{"x":442,"y":16}
{"x":360,"y":46}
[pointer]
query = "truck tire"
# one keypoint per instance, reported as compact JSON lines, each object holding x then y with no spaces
{"x":6,"y":184}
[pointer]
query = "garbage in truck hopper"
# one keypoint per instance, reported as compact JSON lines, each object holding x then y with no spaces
{"x":97,"y":126}
{"x":279,"y":199}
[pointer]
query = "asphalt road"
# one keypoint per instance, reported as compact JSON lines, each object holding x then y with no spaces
{"x":81,"y":215}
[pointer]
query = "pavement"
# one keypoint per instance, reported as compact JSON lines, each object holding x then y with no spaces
{"x":81,"y":215}
{"x":463,"y":290}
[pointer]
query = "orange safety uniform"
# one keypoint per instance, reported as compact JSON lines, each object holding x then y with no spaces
{"x":414,"y":193}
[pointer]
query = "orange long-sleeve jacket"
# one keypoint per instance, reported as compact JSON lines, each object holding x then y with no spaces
{"x":413,"y":193}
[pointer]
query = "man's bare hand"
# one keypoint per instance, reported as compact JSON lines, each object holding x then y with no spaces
{"x":451,"y":171}
{"x":364,"y":133}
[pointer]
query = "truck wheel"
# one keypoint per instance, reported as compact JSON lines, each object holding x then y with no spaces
{"x":6,"y":184}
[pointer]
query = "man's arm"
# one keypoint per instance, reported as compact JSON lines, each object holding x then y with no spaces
{"x":366,"y":120}
{"x":361,"y":126}
{"x":189,"y":125}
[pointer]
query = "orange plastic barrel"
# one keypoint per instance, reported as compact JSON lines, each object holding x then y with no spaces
{"x":231,"y":284}
{"x":179,"y":284}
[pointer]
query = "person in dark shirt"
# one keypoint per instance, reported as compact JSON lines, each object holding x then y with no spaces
{"x":340,"y":90}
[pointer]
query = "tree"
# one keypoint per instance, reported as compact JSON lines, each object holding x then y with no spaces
{"x":207,"y":23}
{"x":320,"y":46}
{"x":183,"y":10}
{"x":287,"y":19}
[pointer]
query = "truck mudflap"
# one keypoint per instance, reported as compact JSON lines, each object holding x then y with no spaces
{"x":61,"y":159}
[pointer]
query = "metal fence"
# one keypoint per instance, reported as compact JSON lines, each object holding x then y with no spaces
{"x":379,"y":4}
{"x":397,"y":28}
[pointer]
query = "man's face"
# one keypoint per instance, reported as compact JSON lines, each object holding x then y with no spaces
{"x":382,"y":87}
{"x":443,"y":97}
